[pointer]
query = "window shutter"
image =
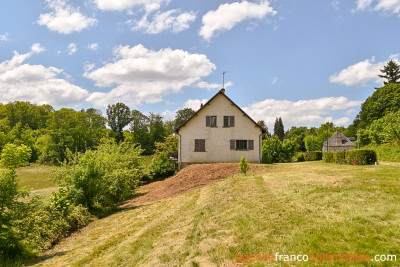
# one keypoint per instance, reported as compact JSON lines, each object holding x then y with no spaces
{"x":232,"y":121}
{"x":196,"y":144}
{"x":233,"y":144}
{"x":202,"y":145}
{"x":208,"y":121}
{"x":250,"y":144}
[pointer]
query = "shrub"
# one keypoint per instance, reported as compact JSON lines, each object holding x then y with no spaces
{"x":328,"y":157}
{"x":273,"y":150}
{"x":243,"y":165}
{"x":161,"y":166}
{"x":361,"y":157}
{"x":340,"y":157}
{"x":354,"y":157}
{"x":104,"y":177}
{"x":300,"y":157}
{"x":312,"y":155}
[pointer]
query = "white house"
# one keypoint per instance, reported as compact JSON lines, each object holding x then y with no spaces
{"x":219,"y":131}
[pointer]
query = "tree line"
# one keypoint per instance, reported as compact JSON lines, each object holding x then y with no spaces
{"x":53,"y":134}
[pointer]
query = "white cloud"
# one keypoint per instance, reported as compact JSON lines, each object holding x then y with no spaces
{"x":113,"y":5}
{"x":93,"y":46}
{"x":64,"y":18}
{"x":391,"y":6}
{"x":194,"y":103}
{"x":37,"y":48}
{"x":228,"y":15}
{"x":36,"y":83}
{"x":142,"y":75}
{"x":171,"y":20}
{"x":72,"y":49}
{"x":313,"y":112}
{"x":210,"y":86}
{"x":360,"y":73}
{"x":4,"y":37}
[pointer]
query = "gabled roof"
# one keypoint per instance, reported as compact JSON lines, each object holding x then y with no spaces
{"x":220,"y":92}
{"x":339,"y":139}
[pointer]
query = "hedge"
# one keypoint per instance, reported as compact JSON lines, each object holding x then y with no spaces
{"x":312,"y":155}
{"x":353,"y":157}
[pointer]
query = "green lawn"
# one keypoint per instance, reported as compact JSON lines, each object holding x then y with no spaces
{"x":295,"y":208}
{"x":36,"y":177}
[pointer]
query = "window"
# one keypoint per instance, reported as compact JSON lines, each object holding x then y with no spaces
{"x":211,"y":121}
{"x":199,"y":145}
{"x":242,"y":144}
{"x":229,"y":121}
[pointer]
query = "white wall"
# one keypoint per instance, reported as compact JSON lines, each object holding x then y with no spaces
{"x":218,"y":138}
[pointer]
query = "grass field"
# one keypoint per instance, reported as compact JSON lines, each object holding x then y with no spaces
{"x":37,"y":179}
{"x":296,"y":208}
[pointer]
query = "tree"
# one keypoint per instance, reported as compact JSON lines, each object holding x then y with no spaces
{"x":383,"y":101}
{"x":182,"y":116}
{"x":14,"y":156}
{"x":279,"y":129}
{"x":264,"y":125}
{"x":391,"y":72}
{"x":118,"y":116}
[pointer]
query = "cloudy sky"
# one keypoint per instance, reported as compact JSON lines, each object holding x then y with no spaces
{"x":305,"y":61}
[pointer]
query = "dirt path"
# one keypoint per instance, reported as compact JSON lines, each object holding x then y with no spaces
{"x":189,"y":178}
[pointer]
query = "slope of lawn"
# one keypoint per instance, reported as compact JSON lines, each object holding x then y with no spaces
{"x":296,"y":208}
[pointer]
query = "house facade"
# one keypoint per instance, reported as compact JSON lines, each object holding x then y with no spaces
{"x":219,"y":131}
{"x":338,"y":142}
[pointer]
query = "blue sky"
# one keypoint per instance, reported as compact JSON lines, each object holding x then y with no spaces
{"x":305,"y":61}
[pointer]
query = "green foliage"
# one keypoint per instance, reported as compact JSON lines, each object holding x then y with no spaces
{"x":312,"y":155}
{"x":388,"y":152}
{"x":300,"y":157}
{"x":279,"y":129}
{"x":161,"y":166}
{"x":104,"y":177}
{"x":264,"y":126}
{"x":386,"y":129}
{"x":14,"y":156}
{"x":118,"y":116}
{"x":383,"y":101}
{"x":243,"y":165}
{"x":182,"y":116}
{"x":274,"y":150}
{"x":353,"y":157}
{"x":313,"y":143}
{"x":391,"y":72}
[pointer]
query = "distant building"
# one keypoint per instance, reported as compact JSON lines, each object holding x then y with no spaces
{"x":219,"y":131}
{"x":338,"y":142}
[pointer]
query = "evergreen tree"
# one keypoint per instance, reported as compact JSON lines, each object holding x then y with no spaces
{"x":391,"y":72}
{"x":279,"y":130}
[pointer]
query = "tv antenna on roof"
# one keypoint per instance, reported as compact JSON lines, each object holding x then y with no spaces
{"x":223,"y":79}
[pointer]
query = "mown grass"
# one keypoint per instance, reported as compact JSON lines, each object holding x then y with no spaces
{"x":297,"y":208}
{"x":36,"y":176}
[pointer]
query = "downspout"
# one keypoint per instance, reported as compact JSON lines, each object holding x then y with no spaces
{"x":179,"y":152}
{"x":260,"y":148}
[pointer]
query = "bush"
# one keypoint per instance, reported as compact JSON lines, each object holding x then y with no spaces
{"x":161,"y":166}
{"x":14,"y":156}
{"x":312,"y":155}
{"x":300,"y":157}
{"x":243,"y":165}
{"x":361,"y":157}
{"x":273,"y":150}
{"x":328,"y":157}
{"x":354,"y":157}
{"x":104,"y":177}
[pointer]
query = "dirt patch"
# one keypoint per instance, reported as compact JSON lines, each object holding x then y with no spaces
{"x":189,"y":178}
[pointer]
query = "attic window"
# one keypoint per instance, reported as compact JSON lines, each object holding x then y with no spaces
{"x":211,"y":121}
{"x":229,"y":121}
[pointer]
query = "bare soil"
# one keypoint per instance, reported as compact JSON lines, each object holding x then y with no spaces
{"x":189,"y":178}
